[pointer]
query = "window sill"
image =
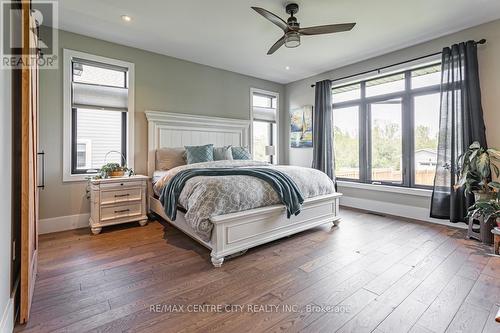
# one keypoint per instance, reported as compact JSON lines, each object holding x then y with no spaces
{"x":386,"y":188}
{"x":77,"y":177}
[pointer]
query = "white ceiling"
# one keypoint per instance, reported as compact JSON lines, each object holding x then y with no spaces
{"x":228,"y":34}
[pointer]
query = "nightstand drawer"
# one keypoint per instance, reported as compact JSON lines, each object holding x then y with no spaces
{"x":119,"y":196}
{"x":120,"y":211}
{"x":123,"y":184}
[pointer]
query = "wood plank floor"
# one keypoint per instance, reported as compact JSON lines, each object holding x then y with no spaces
{"x":371,"y":274}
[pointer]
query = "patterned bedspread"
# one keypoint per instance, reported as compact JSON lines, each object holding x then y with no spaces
{"x":204,"y":197}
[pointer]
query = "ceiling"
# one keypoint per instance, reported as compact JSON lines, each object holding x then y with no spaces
{"x":228,"y":34}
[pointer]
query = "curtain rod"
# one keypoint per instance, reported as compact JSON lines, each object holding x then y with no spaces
{"x":481,"y":41}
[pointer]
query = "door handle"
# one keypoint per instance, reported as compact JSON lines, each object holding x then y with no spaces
{"x":42,"y":185}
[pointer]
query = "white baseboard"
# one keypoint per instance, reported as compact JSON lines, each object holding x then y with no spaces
{"x":7,"y":323}
{"x":383,"y":207}
{"x":61,"y":223}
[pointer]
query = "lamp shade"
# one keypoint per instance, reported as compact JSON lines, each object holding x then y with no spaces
{"x":270,"y":150}
{"x":292,"y":39}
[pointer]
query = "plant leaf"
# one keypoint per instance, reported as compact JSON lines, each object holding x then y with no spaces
{"x":483,"y":165}
{"x":475,"y":145}
{"x":495,"y":169}
{"x":473,"y":155}
{"x":494,"y":184}
{"x":494,"y":152}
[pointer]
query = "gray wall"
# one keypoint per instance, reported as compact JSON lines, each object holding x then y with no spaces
{"x":161,"y":83}
{"x":300,"y":93}
{"x":5,"y":191}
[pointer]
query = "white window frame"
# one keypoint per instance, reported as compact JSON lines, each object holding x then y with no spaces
{"x":68,"y":56}
{"x":277,"y":96}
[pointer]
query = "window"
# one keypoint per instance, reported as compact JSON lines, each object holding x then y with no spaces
{"x":385,"y":129}
{"x":346,"y":142}
{"x":386,"y":141}
{"x":264,"y":125}
{"x":385,"y":85}
{"x":98,"y":115}
{"x":426,"y":137}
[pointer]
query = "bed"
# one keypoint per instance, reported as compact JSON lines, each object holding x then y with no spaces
{"x":238,"y":231}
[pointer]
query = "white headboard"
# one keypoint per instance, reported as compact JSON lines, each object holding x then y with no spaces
{"x":166,"y":129}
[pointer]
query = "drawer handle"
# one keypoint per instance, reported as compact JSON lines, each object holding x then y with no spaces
{"x":122,"y":211}
{"x":121,"y":195}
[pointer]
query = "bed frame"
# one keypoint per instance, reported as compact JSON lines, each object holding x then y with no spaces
{"x":235,"y":232}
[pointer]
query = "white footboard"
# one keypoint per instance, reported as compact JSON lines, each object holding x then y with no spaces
{"x":240,"y":231}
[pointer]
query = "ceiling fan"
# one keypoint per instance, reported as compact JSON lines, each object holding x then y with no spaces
{"x":292,"y":28}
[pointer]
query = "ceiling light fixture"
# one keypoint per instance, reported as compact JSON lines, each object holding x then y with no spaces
{"x":126,"y":18}
{"x":292,"y":39}
{"x":287,"y":68}
{"x":293,"y":31}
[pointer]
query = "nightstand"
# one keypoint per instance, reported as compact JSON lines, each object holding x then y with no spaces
{"x":117,"y":200}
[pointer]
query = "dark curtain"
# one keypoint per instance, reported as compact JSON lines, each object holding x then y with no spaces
{"x":323,"y":130}
{"x":461,"y":123}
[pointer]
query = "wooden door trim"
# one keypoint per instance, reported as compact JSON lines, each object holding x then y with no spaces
{"x":29,"y":256}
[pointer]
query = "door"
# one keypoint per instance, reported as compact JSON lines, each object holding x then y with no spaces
{"x":29,"y":179}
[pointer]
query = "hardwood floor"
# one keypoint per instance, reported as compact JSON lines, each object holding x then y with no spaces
{"x":371,"y":274}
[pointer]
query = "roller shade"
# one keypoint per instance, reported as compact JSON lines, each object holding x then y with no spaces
{"x":99,"y":97}
{"x":265,"y":114}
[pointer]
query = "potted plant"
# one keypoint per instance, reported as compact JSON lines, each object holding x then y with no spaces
{"x":474,"y":173}
{"x":113,"y":170}
{"x":475,"y":169}
{"x":488,"y":208}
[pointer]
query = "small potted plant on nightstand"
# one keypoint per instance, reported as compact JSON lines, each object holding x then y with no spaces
{"x":475,"y":171}
{"x":114,"y":170}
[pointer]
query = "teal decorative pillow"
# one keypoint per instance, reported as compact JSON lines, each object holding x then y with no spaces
{"x":223,"y":153}
{"x":241,"y":153}
{"x":198,"y":154}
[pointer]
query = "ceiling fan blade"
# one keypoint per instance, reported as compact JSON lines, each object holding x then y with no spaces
{"x":277,"y":45}
{"x":271,"y":17}
{"x":326,"y":29}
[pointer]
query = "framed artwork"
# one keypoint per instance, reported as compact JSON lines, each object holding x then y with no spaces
{"x":301,"y":127}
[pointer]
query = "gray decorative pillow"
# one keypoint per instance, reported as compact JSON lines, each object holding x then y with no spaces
{"x":241,"y":153}
{"x":198,"y":154}
{"x":223,"y":153}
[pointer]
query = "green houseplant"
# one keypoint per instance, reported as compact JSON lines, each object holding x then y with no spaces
{"x":474,"y":172}
{"x":488,"y":208}
{"x":111,"y":170}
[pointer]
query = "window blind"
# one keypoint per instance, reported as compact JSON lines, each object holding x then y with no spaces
{"x":99,"y":86}
{"x":265,"y":114}
{"x":99,"y":97}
